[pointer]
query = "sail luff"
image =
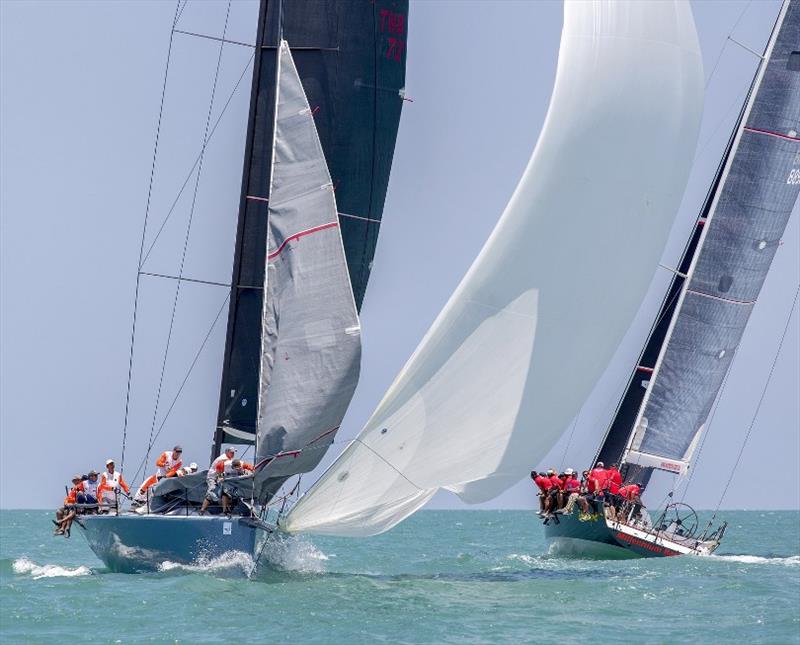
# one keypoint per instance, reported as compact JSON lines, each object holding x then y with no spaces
{"x":269,"y":241}
{"x":647,"y":445}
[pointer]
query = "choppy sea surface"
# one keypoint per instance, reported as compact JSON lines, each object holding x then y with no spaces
{"x":440,"y":577}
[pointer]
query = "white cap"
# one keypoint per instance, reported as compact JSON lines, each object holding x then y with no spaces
{"x":230,"y":449}
{"x":569,"y":471}
{"x":109,"y":461}
{"x":193,"y":466}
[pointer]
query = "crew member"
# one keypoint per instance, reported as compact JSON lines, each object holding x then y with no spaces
{"x":213,"y":472}
{"x":223,"y":469}
{"x":631,"y":494}
{"x":66,"y":513}
{"x":614,"y":479}
{"x":110,"y":483}
{"x":600,"y":476}
{"x":544,"y":484}
{"x":232,"y":468}
{"x":170,"y":462}
{"x":88,"y":492}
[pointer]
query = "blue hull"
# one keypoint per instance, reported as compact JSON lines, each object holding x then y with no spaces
{"x":134,"y":543}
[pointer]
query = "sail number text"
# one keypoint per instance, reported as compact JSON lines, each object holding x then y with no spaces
{"x":394,"y":24}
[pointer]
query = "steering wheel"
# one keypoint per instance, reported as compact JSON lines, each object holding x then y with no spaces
{"x":682,"y":516}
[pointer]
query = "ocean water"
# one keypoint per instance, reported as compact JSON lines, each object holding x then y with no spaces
{"x":441,"y":577}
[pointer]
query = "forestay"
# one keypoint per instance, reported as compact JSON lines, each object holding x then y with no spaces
{"x":748,"y":216}
{"x":533,"y":324}
{"x":311,"y":344}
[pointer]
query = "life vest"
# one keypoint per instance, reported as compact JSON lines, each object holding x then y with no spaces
{"x":109,"y":483}
{"x":168,"y":463}
{"x":90,"y":488}
{"x":217,"y":466}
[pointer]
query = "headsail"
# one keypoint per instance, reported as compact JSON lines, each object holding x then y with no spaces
{"x":534,"y":322}
{"x":748,"y":215}
{"x":351,"y":59}
{"x":311,"y":344}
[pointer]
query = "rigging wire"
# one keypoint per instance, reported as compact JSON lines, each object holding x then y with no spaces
{"x":196,"y":161}
{"x":183,"y":383}
{"x":175,"y":19}
{"x":760,"y":400}
{"x":188,"y":231}
{"x":725,"y":44}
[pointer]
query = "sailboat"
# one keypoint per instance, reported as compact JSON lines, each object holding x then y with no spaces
{"x":514,"y":352}
{"x":326,"y":98}
{"x":665,"y":408}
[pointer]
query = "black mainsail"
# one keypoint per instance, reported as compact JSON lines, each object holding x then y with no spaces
{"x":699,"y":327}
{"x":350,"y":56}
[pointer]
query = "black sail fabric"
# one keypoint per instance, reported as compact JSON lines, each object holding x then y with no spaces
{"x":350,"y":55}
{"x":752,"y":208}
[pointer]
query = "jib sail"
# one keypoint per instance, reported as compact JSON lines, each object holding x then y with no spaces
{"x":350,"y":57}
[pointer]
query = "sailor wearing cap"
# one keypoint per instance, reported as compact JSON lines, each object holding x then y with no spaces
{"x":90,"y":485}
{"x":170,"y":462}
{"x":110,"y":483}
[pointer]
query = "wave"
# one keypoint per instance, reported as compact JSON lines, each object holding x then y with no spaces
{"x":792,"y":560}
{"x":24,"y":566}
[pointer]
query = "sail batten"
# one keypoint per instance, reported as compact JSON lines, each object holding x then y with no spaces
{"x":751,"y":206}
{"x":494,"y":382}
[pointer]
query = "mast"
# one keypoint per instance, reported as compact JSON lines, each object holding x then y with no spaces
{"x":237,"y":289}
{"x":755,"y":195}
{"x":351,"y":60}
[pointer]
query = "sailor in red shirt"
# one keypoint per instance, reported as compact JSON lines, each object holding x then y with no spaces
{"x":544,"y":484}
{"x":599,"y":474}
{"x":614,"y":479}
{"x":631,"y":493}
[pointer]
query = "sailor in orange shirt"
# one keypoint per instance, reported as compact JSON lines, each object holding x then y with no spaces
{"x":110,"y":483}
{"x":170,"y":461}
{"x":224,"y":469}
{"x":66,"y":514}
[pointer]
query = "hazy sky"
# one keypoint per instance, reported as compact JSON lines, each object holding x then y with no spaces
{"x":81,"y":84}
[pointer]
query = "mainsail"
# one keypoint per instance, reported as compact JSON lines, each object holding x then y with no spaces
{"x":534,"y":322}
{"x":740,"y":234}
{"x":350,"y":57}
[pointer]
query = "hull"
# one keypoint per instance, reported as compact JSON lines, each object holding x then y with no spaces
{"x":607,"y":539}
{"x":134,"y":543}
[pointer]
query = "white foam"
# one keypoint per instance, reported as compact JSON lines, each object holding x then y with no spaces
{"x":230,"y":561}
{"x":792,"y":560}
{"x":292,"y":553}
{"x":37,"y":571}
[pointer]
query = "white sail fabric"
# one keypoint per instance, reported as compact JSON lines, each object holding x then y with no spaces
{"x":533,"y":324}
{"x":311,"y":344}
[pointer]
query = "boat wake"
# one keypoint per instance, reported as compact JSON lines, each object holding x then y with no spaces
{"x":23,"y":566}
{"x":232,"y":562}
{"x":790,"y":561}
{"x":292,"y":553}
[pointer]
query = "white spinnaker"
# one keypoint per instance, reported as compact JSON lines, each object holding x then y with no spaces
{"x":533,"y":324}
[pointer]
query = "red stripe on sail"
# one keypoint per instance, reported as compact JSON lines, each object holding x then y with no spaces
{"x":771,"y":134}
{"x":297,"y":236}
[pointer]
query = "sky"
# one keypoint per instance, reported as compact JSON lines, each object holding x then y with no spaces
{"x":80,"y":88}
